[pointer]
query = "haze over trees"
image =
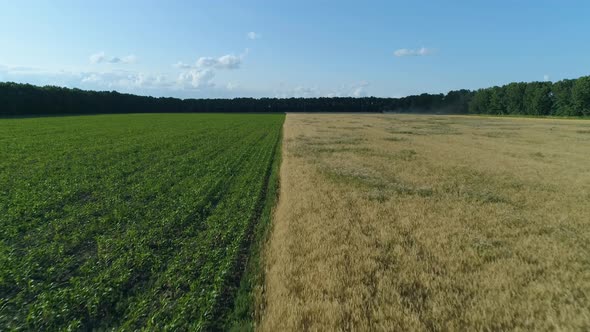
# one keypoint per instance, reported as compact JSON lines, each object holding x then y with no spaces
{"x":562,"y":98}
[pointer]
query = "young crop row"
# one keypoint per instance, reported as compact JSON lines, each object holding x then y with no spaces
{"x":127,"y":221}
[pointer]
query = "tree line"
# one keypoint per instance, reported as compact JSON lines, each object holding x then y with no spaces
{"x":563,"y":98}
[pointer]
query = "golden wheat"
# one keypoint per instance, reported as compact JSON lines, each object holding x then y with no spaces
{"x":404,"y":222}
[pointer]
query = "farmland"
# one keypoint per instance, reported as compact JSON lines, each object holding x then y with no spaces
{"x":384,"y":222}
{"x":430,"y":223}
{"x":128,"y":221}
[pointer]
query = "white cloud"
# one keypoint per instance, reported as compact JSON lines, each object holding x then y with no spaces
{"x":40,"y":76}
{"x":101,"y":57}
{"x":284,"y":91}
{"x":201,"y":74}
{"x":25,"y":70}
{"x":228,"y":61}
{"x":307,"y":92}
{"x":253,"y":35}
{"x":182,"y":65}
{"x":194,"y":83}
{"x":546,"y":78}
{"x":358,"y":89}
{"x":124,"y":80}
{"x":197,"y":78}
{"x":413,"y":52}
{"x":92,"y":78}
{"x":232,"y":86}
{"x":143,"y":80}
{"x":131,"y":58}
{"x":186,"y":83}
{"x":97,"y":58}
{"x":359,"y":92}
{"x":204,"y":62}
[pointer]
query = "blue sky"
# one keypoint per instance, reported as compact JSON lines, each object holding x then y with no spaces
{"x":293,"y":48}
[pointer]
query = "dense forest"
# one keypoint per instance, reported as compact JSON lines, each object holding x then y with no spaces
{"x":563,"y":98}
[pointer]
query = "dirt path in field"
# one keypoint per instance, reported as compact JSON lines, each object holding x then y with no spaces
{"x":401,"y":222}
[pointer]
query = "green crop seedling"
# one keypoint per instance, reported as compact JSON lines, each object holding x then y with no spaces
{"x":128,"y":221}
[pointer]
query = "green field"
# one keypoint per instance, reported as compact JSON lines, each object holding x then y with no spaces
{"x":128,"y":221}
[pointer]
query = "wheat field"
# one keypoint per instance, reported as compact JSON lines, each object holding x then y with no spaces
{"x":430,"y":223}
